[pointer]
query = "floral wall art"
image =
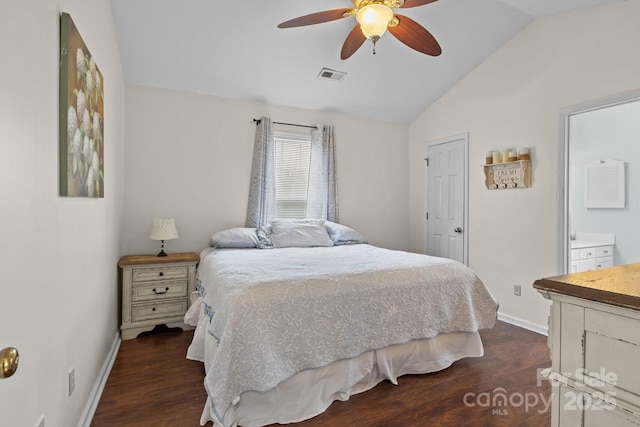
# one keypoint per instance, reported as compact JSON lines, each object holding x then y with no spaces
{"x":81,"y":116}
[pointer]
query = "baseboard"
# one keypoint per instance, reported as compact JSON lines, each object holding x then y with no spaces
{"x":98,"y":388}
{"x":542,"y":330}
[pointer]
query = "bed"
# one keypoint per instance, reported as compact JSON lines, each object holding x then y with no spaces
{"x":292,"y":317}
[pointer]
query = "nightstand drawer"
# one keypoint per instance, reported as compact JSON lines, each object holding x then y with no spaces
{"x":159,"y":290}
{"x":158,"y":310}
{"x":160,"y":273}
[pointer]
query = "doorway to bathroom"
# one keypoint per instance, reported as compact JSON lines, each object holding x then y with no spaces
{"x":599,"y":184}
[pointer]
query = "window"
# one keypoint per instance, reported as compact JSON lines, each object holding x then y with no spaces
{"x":292,"y":153}
{"x":293,"y":174}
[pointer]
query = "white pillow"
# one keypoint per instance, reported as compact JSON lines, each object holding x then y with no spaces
{"x":235,"y":238}
{"x":343,"y":235}
{"x":301,"y":233}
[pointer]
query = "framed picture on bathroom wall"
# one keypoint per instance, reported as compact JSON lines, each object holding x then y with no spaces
{"x":604,"y":184}
{"x":81,"y":116}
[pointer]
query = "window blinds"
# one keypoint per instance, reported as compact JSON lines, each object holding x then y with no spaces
{"x":292,"y":159}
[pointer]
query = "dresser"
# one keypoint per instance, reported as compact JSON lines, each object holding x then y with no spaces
{"x":155,"y":290}
{"x":594,"y":338}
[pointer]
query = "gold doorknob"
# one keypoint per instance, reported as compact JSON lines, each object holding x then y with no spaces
{"x":9,"y":358}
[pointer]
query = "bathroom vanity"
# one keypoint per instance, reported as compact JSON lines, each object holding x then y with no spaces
{"x":591,"y":251}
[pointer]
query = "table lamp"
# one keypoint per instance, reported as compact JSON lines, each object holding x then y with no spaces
{"x":163,"y":229}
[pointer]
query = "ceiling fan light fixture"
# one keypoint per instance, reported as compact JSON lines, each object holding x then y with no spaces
{"x":374,"y":19}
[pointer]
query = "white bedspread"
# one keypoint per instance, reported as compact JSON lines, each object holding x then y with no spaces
{"x":276,"y":312}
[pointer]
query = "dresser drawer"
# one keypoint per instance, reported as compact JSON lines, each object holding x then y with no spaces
{"x":611,"y":346}
{"x":160,"y":273}
{"x":159,"y":290}
{"x":158,"y":310}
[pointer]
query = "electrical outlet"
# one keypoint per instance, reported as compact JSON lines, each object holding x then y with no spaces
{"x":40,"y":422}
{"x":517,"y":290}
{"x":72,"y":380}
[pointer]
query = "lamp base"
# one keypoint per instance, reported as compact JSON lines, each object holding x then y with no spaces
{"x":162,"y":253}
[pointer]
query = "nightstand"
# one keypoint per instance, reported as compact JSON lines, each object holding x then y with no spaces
{"x":155,"y":291}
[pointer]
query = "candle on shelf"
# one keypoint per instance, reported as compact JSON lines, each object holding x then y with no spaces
{"x":513,"y":156}
{"x":496,"y":157}
{"x":488,"y":158}
{"x":505,"y":155}
{"x":524,"y":154}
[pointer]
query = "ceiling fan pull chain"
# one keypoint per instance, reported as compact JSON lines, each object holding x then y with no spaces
{"x":374,"y":39}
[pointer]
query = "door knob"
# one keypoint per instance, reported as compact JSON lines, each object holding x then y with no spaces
{"x":458,"y":230}
{"x":9,"y":359}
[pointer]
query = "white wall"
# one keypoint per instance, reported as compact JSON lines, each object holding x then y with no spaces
{"x":188,"y":156}
{"x":613,"y":133}
{"x":513,"y":100}
{"x":58,"y":301}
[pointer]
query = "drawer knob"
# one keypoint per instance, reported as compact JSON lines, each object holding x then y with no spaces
{"x":157,"y":292}
{"x":153,"y":309}
{"x":161,"y":274}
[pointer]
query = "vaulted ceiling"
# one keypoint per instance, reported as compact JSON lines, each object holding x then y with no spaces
{"x":234,"y":49}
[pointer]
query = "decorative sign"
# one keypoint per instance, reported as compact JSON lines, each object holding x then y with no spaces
{"x":501,"y":176}
{"x":604,"y":184}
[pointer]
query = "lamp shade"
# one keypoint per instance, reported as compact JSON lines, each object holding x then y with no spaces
{"x":163,"y":229}
{"x":374,"y":19}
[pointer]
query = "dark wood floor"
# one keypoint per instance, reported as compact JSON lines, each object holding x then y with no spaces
{"x":152,"y":384}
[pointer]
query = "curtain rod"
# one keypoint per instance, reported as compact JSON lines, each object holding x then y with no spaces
{"x":257,"y":122}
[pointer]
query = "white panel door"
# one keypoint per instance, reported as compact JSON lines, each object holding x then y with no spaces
{"x":446,"y":197}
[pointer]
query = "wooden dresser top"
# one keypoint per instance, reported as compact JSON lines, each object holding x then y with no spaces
{"x":129,"y":260}
{"x":619,"y":285}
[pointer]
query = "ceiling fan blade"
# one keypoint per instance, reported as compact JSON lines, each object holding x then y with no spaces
{"x":352,"y":43}
{"x":415,"y":3}
{"x":315,"y":18}
{"x":415,"y":36}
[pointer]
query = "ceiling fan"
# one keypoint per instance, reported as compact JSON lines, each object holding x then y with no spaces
{"x":374,"y":18}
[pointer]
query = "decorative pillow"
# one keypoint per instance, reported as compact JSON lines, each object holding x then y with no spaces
{"x":234,"y":238}
{"x":301,"y":233}
{"x":263,"y":235}
{"x":343,"y":235}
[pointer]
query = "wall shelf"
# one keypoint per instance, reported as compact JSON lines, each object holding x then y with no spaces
{"x":507,"y":175}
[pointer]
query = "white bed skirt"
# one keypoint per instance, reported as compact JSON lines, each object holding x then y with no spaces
{"x":311,"y":392}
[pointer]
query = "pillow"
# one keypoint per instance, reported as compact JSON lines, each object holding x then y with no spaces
{"x":343,"y":235}
{"x":300,"y":233}
{"x":234,"y":238}
{"x":263,"y":235}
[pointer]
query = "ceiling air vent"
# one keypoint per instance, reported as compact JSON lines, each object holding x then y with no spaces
{"x":329,"y":74}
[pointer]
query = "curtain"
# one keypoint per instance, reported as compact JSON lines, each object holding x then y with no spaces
{"x":262,"y":187}
{"x":322,"y":198}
